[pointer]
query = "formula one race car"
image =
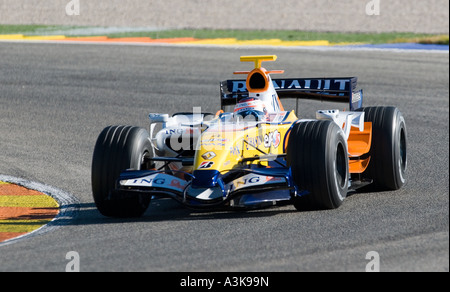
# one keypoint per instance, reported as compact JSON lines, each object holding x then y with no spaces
{"x":252,"y":153}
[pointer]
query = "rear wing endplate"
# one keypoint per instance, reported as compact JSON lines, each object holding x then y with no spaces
{"x":323,"y":89}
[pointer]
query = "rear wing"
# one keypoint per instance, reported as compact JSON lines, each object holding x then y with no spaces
{"x":323,"y":89}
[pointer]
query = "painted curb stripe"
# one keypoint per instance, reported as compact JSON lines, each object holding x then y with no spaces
{"x":28,"y":213}
{"x":23,"y":210}
{"x":21,"y":226}
{"x":227,"y":42}
{"x":42,"y":38}
{"x":11,"y":36}
{"x":8,"y":189}
{"x":261,"y":42}
{"x":4,"y":236}
{"x":28,"y":208}
{"x":33,"y":201}
{"x":184,"y":40}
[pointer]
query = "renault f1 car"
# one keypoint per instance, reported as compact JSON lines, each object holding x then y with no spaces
{"x":253,"y":153}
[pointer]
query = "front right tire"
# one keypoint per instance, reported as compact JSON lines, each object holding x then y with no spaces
{"x":119,"y":148}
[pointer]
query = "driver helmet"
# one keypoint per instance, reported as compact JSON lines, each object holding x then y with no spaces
{"x":251,"y":107}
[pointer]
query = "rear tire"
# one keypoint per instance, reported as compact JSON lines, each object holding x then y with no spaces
{"x":388,"y":162}
{"x":318,"y":157}
{"x":119,"y":148}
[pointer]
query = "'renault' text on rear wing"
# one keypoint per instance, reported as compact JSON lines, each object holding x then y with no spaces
{"x":323,"y":89}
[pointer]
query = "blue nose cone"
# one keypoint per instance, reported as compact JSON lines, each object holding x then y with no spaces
{"x":205,"y":178}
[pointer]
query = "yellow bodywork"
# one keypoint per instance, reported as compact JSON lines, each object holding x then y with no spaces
{"x":225,"y":145}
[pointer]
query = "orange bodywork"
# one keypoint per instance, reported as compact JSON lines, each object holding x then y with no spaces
{"x":359,"y":144}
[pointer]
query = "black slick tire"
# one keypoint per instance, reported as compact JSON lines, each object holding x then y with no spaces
{"x":318,"y":158}
{"x":119,"y":148}
{"x":388,"y":152}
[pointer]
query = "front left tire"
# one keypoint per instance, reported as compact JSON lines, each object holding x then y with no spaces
{"x":318,"y":158}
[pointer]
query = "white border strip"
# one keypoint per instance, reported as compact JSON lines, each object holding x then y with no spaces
{"x":68,"y":206}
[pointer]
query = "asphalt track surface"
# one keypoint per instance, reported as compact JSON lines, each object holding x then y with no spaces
{"x":56,"y":98}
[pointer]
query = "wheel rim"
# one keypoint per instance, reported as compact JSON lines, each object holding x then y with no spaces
{"x":144,"y":162}
{"x":340,"y":166}
{"x":402,"y":156}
